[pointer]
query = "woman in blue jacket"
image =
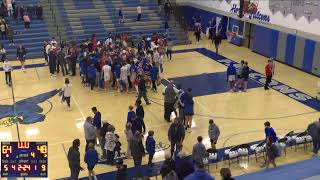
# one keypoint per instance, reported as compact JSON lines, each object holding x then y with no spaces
{"x":91,"y":159}
{"x":150,"y":146}
{"x":92,"y":75}
{"x":231,"y":75}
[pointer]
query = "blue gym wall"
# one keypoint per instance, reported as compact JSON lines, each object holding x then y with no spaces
{"x":206,"y":16}
{"x":290,"y":49}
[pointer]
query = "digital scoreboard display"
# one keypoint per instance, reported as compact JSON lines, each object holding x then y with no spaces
{"x":24,"y":159}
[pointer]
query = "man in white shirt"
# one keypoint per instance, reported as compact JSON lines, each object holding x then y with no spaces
{"x":139,"y":13}
{"x":128,"y":67}
{"x":124,"y":77}
{"x":107,"y":76}
{"x":7,"y":68}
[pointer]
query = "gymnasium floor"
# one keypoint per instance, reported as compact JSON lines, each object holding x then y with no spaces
{"x":240,"y":116}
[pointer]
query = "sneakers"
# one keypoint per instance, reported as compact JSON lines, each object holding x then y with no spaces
{"x":69,"y":109}
{"x":148,"y":103}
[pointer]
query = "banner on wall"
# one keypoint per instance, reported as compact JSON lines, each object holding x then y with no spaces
{"x":251,"y":10}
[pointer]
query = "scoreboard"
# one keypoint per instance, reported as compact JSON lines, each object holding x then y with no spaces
{"x":24,"y":159}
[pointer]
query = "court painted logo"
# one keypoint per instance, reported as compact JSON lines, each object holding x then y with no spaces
{"x":26,"y":111}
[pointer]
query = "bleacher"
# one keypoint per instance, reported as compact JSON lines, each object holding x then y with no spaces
{"x":31,"y":38}
{"x":83,"y":18}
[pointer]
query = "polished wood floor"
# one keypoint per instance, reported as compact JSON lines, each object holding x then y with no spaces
{"x":61,"y":126}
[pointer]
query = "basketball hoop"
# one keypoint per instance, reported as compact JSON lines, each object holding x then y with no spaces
{"x":230,"y":35}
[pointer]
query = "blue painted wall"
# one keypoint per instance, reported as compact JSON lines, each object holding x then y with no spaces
{"x":206,"y":16}
{"x":265,"y":41}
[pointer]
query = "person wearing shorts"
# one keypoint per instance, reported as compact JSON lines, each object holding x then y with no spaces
{"x":231,"y":75}
{"x":214,"y":133}
{"x":106,"y":76}
{"x":91,"y":159}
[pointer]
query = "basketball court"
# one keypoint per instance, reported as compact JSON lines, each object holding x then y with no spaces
{"x":289,"y":105}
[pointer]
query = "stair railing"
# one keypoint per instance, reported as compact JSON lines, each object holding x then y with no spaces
{"x":54,"y":18}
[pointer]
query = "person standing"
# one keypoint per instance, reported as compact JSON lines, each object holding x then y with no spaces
{"x":269,"y":132}
{"x":7,"y":68}
{"x":176,"y":134}
{"x":154,"y":74}
{"x":199,"y":151}
{"x":2,"y":53}
{"x":62,"y":61}
{"x":10,"y":35}
{"x":130,"y":114}
{"x":143,"y":90}
{"x":97,"y":122}
{"x":3,"y":30}
{"x":199,"y":173}
{"x":231,"y":76}
{"x":139,"y":11}
{"x":121,"y":19}
{"x":89,"y":132}
{"x":66,"y":91}
{"x":110,"y":144}
{"x":150,"y":147}
{"x":74,"y":159}
{"x":91,"y":74}
{"x":39,"y":12}
{"x":129,"y":136}
{"x":188,"y":108}
{"x":21,"y":55}
{"x":197,"y":33}
{"x":26,"y":20}
{"x":106,"y":76}
{"x":91,"y":159}
{"x":217,"y":42}
{"x":244,"y":77}
{"x":73,"y":59}
{"x":52,"y":62}
{"x":272,"y":152}
{"x":214,"y":133}
{"x":269,"y":72}
{"x":169,"y":100}
{"x":137,"y":151}
{"x":314,"y":131}
{"x":169,"y":49}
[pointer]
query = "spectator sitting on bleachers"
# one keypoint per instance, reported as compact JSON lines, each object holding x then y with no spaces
{"x":3,"y":10}
{"x":39,"y":11}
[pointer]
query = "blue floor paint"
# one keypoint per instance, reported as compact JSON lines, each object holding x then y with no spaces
{"x":294,"y":171}
{"x":206,"y":84}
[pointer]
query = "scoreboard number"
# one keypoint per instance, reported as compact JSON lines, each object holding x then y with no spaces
{"x":24,"y":159}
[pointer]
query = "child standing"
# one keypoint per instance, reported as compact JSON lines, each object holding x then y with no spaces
{"x":131,"y":114}
{"x":214,"y":133}
{"x":150,"y":146}
{"x":7,"y":67}
{"x":117,"y":148}
{"x":91,"y":159}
